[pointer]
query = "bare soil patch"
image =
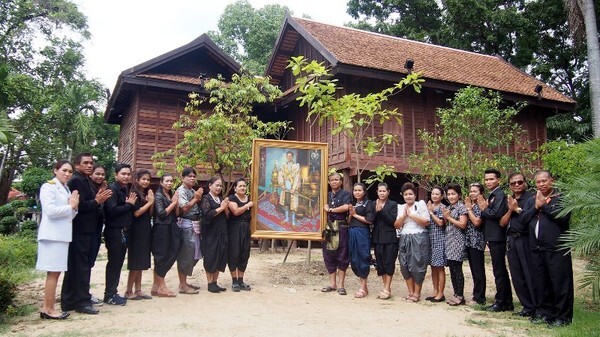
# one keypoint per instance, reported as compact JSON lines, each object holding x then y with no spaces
{"x":285,"y":300}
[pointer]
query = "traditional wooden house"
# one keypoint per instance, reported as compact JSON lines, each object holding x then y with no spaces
{"x":151,"y":96}
{"x":366,"y":62}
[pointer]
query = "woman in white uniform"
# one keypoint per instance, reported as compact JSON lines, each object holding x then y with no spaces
{"x":59,"y":207}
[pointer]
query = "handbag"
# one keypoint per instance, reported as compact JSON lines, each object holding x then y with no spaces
{"x":332,"y":235}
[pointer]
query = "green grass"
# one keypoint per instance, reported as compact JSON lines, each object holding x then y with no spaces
{"x":586,"y":322}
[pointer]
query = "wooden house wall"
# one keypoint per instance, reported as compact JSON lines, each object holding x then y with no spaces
{"x":418,"y":112}
{"x":157,"y":112}
{"x":128,"y":134}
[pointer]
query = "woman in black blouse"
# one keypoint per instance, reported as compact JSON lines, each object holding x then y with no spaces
{"x":384,"y":238}
{"x":165,"y":235}
{"x":140,"y":235}
{"x":238,"y":234}
{"x":214,"y":233}
{"x":361,"y":215}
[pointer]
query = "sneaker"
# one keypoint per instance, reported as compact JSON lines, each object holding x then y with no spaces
{"x":115,"y":300}
{"x":96,"y":301}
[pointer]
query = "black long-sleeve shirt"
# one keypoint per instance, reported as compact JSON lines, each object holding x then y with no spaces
{"x":550,"y":227}
{"x":118,"y":213}
{"x":86,"y":220}
{"x":517,"y":225}
{"x":383,"y":225}
{"x":491,"y":216}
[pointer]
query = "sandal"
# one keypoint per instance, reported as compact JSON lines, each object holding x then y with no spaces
{"x":384,"y":295}
{"x":143,"y":296}
{"x":456,"y":301}
{"x":131,"y":296}
{"x":341,"y":291}
{"x":361,"y":293}
{"x":245,"y":286}
{"x":412,"y":299}
{"x":328,"y":289}
{"x":189,"y":291}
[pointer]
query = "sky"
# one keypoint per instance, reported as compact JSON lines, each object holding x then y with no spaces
{"x":126,"y":33}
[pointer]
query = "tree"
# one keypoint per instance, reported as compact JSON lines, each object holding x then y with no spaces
{"x":220,"y":141}
{"x":352,"y":115}
{"x":44,"y":91}
{"x":419,"y":20}
{"x":474,"y":134}
{"x":582,"y":14}
{"x":249,"y":34}
{"x":532,"y":35}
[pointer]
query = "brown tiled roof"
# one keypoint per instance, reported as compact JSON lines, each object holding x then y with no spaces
{"x":376,"y":51}
{"x":174,"y":78}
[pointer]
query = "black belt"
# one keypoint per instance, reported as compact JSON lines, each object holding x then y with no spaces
{"x":516,"y":234}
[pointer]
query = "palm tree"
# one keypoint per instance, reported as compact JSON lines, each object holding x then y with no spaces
{"x":582,"y":22}
{"x":581,"y":197}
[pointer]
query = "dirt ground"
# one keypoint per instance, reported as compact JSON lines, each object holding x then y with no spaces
{"x":285,"y":301}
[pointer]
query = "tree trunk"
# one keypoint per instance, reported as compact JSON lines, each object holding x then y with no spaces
{"x":5,"y":183}
{"x":593,"y":51}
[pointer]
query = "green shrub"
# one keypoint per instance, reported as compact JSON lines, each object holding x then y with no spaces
{"x":28,"y":229}
{"x":6,"y":210}
{"x":8,"y":225}
{"x":22,"y":203}
{"x":21,"y":212}
{"x":17,"y":259}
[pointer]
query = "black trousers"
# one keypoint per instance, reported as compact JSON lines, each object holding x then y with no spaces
{"x":75,"y":292}
{"x":477,"y":265}
{"x":519,"y":263}
{"x":553,"y":278}
{"x":501,"y":278}
{"x":457,"y":277}
{"x":116,"y":250}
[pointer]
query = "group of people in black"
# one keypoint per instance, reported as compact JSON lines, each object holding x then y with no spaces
{"x":180,"y":226}
{"x":523,"y":228}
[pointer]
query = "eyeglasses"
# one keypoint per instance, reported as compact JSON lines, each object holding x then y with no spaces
{"x":517,"y":183}
{"x":475,"y":184}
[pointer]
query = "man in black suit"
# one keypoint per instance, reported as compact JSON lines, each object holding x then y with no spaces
{"x":492,"y":211}
{"x":75,"y":293}
{"x":519,"y":253}
{"x":552,"y":266}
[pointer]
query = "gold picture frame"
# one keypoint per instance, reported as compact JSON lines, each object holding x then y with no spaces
{"x":289,"y":189}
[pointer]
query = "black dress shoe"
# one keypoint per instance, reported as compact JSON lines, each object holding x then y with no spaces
{"x":523,"y":313}
{"x":558,"y":323}
{"x":539,"y":319}
{"x":438,"y":300}
{"x":63,"y":315}
{"x":497,"y":307}
{"x":88,"y":309}
{"x":220,"y":288}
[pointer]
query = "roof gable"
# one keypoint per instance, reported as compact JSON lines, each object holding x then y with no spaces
{"x":349,"y":49}
{"x":182,"y":69}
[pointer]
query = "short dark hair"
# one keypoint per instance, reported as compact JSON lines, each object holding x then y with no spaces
{"x":162,"y":178}
{"x":438,"y":188}
{"x":512,"y":175}
{"x":97,"y":166}
{"x":494,"y":171}
{"x":538,"y":172}
{"x":121,"y":166}
{"x":479,"y":187}
{"x":238,"y":180}
{"x":383,"y":185}
{"x":60,"y":163}
{"x":408,"y":186}
{"x":187,"y":171}
{"x":80,"y":156}
{"x":455,"y":187}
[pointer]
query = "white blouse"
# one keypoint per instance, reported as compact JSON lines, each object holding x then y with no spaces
{"x":410,"y":226}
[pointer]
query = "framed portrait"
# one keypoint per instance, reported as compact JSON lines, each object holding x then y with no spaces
{"x":289,"y":186}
